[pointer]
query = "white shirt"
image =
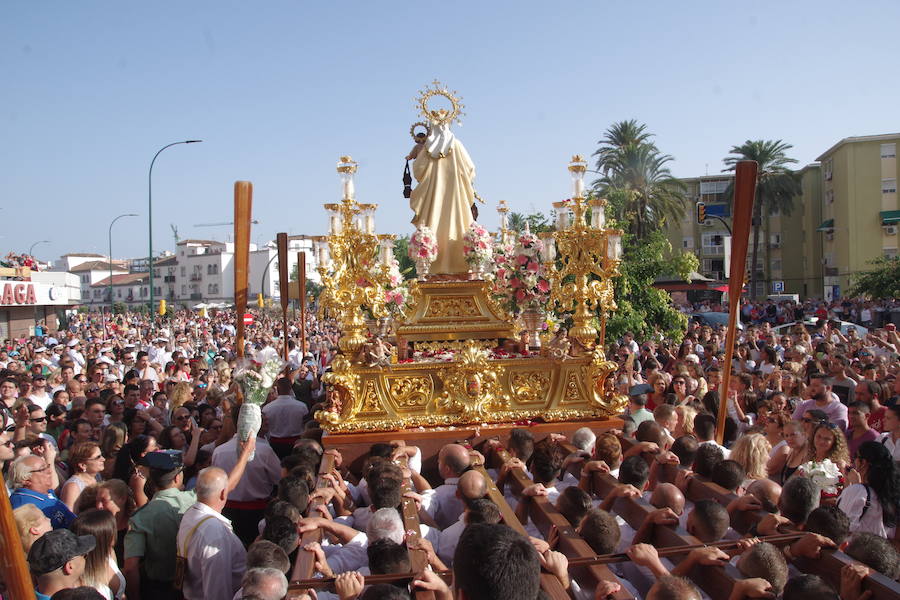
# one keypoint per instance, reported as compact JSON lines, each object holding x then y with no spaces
{"x":725,"y":451}
{"x":449,"y":540}
{"x":853,"y":501}
{"x":285,"y":415}
{"x":43,"y":401}
{"x":265,"y":354}
{"x":347,"y":557}
{"x":260,"y":476}
{"x":216,"y":558}
{"x":442,"y":503}
{"x":77,"y":360}
{"x":892,"y":446}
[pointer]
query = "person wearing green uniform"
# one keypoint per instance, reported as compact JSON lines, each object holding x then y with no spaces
{"x":150,"y":544}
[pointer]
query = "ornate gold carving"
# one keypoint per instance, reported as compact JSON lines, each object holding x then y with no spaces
{"x":529,"y":386}
{"x":449,"y":307}
{"x":471,"y":386}
{"x":454,"y":345}
{"x":440,"y":115}
{"x":572,"y":392}
{"x":411,"y":392}
{"x":370,"y":402}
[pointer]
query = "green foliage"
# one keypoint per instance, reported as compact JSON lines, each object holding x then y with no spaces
{"x":882,"y":282}
{"x":537,"y":222}
{"x":119,"y":308}
{"x":633,"y":168}
{"x":642,"y":308}
{"x":401,"y":253}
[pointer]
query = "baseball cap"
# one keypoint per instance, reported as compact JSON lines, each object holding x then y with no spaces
{"x":641,"y":388}
{"x":55,"y":548}
{"x":163,"y":460}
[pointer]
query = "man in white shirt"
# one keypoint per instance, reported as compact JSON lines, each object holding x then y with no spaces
{"x":215,"y":556}
{"x":39,"y":395}
{"x":77,"y":357}
{"x":248,"y":500}
{"x":442,"y":503}
{"x":285,"y":415}
{"x":144,"y":369}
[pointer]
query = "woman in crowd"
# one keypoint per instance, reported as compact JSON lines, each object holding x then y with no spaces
{"x":773,"y":429}
{"x":751,"y":451}
{"x":685,"y":425}
{"x":798,"y":450}
{"x":115,"y":496}
{"x":181,"y":394}
{"x":173,"y":438}
{"x":116,"y":409}
{"x":657,"y":396}
{"x":872,"y":501}
{"x":127,"y":468}
{"x":114,"y":437}
{"x":86,"y":462}
{"x":829,"y":443}
{"x":101,"y":571}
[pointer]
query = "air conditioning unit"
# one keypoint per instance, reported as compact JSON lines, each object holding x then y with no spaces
{"x":890,"y":230}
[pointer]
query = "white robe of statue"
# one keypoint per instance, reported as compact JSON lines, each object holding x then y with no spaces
{"x":443,"y":198}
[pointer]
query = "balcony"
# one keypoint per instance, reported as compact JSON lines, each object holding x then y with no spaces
{"x":196,"y":296}
{"x":169,"y":279}
{"x":714,"y":250}
{"x":830,"y":271}
{"x":196,"y":276}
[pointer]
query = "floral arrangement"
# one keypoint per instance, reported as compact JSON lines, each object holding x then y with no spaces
{"x":824,"y":474}
{"x":519,"y":279}
{"x":255,"y":382}
{"x":477,"y":246}
{"x":423,"y":245}
{"x":396,"y":291}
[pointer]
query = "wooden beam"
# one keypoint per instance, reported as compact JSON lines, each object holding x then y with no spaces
{"x":305,"y":563}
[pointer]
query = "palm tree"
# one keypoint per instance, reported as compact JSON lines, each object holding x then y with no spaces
{"x":776,"y":185}
{"x":516,"y":221}
{"x":620,"y":135}
{"x":639,"y":170}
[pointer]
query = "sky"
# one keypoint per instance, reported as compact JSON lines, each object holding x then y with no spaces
{"x":279,"y":90}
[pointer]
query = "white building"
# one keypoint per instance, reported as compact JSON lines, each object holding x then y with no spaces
{"x":131,"y":289}
{"x":92,"y":271}
{"x":42,"y":298}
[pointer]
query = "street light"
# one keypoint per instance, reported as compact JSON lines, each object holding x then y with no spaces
{"x":110,"y":258}
{"x":150,"y":209}
{"x":35,"y":244}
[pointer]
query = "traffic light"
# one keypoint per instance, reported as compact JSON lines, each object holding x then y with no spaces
{"x":701,"y":212}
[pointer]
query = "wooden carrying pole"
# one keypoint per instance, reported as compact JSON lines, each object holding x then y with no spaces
{"x":284,"y":292}
{"x":742,"y":211}
{"x":13,"y":568}
{"x":301,"y":283}
{"x":243,"y":209}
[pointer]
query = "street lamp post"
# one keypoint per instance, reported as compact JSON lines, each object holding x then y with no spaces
{"x":150,"y":210}
{"x":35,"y":244}
{"x":110,"y":258}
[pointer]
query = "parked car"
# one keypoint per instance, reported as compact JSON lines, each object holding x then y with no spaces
{"x":713,"y":319}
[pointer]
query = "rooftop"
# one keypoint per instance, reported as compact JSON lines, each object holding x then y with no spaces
{"x":199,"y":242}
{"x":126,"y":279}
{"x":87,"y":254}
{"x":95,"y":265}
{"x":885,"y":137}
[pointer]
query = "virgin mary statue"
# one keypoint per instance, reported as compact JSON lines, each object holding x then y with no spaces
{"x":444,"y":195}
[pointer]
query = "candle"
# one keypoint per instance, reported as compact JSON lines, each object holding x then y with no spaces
{"x":551,"y":249}
{"x":579,"y":188}
{"x":370,"y":224}
{"x":386,"y":254}
{"x":348,"y":187}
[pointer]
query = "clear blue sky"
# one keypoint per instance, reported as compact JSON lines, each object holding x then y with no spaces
{"x":279,"y":90}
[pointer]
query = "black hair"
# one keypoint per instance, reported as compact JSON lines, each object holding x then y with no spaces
{"x":386,"y":556}
{"x":294,"y":490}
{"x":599,"y":529}
{"x":808,"y":587}
{"x":884,"y":479}
{"x":876,"y":552}
{"x":799,"y":497}
{"x":685,"y":448}
{"x":493,"y":562}
{"x":521,"y":441}
{"x":385,"y":492}
{"x":482,"y":510}
{"x":708,"y":456}
{"x":384,"y":591}
{"x":704,"y":427}
{"x":729,"y":474}
{"x":711,"y":520}
{"x":830,"y":521}
{"x":282,"y":531}
{"x":634,"y":471}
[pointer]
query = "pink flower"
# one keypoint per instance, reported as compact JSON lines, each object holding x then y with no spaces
{"x":533,"y":266}
{"x":543,"y":286}
{"x":522,"y":259}
{"x":515,"y":282}
{"x":520,"y":295}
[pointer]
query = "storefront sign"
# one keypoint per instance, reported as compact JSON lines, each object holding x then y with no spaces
{"x":30,"y":293}
{"x":18,"y":293}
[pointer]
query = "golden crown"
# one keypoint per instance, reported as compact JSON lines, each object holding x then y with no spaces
{"x":441,"y":115}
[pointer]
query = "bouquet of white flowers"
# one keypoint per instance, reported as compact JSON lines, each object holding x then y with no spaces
{"x":255,"y":384}
{"x":824,"y":474}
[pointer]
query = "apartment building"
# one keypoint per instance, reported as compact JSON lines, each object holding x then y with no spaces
{"x":860,"y":213}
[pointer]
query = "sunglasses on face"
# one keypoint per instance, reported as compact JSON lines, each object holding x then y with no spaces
{"x":38,"y":420}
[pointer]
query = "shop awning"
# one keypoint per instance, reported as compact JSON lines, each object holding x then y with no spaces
{"x":826,"y":225}
{"x":890,"y":217}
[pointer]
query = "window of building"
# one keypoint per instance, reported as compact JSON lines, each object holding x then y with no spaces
{"x":888,"y":150}
{"x":183,"y":271}
{"x":183,"y":290}
{"x":118,"y":293}
{"x":713,"y":187}
{"x":713,"y":243}
{"x":776,"y":264}
{"x":826,"y":169}
{"x":829,"y":196}
{"x":775,"y":240}
{"x":889,"y":186}
{"x":890,"y":252}
{"x":687,"y":243}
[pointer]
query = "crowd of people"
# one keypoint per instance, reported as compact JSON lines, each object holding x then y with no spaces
{"x":775,"y":311}
{"x":127,"y":478}
{"x":13,"y":260}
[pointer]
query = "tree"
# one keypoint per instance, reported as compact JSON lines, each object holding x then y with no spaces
{"x":883,"y":281}
{"x":630,"y":164}
{"x":313,"y":289}
{"x":776,"y":185}
{"x":537,"y":222}
{"x":641,"y":308}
